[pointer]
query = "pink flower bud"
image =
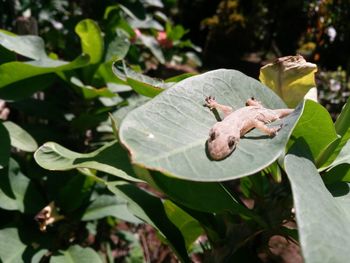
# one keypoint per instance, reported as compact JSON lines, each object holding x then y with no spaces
{"x":163,"y":40}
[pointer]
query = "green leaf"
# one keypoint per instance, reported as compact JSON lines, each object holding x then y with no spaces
{"x":142,"y":84}
{"x":153,"y":45}
{"x":180,"y":77}
{"x":53,"y":156}
{"x":90,"y":92}
{"x":76,"y":254}
{"x":6,"y":55}
{"x":175,"y":33}
{"x":342,"y":126}
{"x":20,"y":138}
{"x":169,"y":133}
{"x":322,"y":222}
{"x":11,"y":246}
{"x":28,"y":46}
{"x":91,"y":39}
{"x":151,"y":210}
{"x":339,"y":173}
{"x":18,"y":192}
{"x":39,"y":255}
{"x":155,"y":3}
{"x":200,"y":196}
{"x":343,"y":156}
{"x":12,"y":72}
{"x":117,"y":49}
{"x":148,"y":23}
{"x":75,"y":193}
{"x":107,"y":205}
{"x":290,"y":77}
{"x":133,"y":8}
{"x":104,"y":74}
{"x":5,"y":148}
{"x":114,"y":125}
{"x":315,"y":116}
{"x":189,"y":227}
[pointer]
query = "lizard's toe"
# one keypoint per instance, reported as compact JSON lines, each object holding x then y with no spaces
{"x":210,"y":102}
{"x":275,"y":130}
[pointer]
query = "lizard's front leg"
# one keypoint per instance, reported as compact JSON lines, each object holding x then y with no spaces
{"x":211,"y":103}
{"x":269,"y":131}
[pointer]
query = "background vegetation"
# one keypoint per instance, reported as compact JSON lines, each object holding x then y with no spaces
{"x":69,"y":189}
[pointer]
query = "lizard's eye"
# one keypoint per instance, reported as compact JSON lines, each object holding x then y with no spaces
{"x":231,"y":142}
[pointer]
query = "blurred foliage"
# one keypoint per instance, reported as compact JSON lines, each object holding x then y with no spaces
{"x":145,"y":25}
{"x":232,"y":30}
{"x":328,"y":31}
{"x":333,"y":89}
{"x":246,"y":35}
{"x":60,"y":87}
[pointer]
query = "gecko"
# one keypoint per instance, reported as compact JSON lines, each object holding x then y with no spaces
{"x":225,"y":135}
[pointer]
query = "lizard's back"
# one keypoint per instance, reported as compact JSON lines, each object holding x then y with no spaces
{"x":244,"y":119}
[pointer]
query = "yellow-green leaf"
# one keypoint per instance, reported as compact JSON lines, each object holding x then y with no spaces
{"x":290,"y":77}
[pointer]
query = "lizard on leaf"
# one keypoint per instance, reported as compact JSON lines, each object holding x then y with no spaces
{"x":225,"y":134}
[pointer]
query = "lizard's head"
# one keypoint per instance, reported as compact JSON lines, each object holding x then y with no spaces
{"x":220,"y":145}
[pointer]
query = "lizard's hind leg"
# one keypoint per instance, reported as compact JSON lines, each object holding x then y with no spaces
{"x":283,"y":112}
{"x":269,"y":131}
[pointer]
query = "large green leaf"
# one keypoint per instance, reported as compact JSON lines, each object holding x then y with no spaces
{"x":109,"y":205}
{"x":322,"y":222}
{"x":5,"y":147}
{"x":151,"y":210}
{"x":20,"y":138}
{"x":308,"y":127}
{"x":290,"y":77}
{"x":17,"y":192}
{"x":91,"y":39}
{"x":53,"y":156}
{"x":12,"y":72}
{"x":169,"y":133}
{"x":11,"y":246}
{"x":28,"y":46}
{"x":76,"y":254}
